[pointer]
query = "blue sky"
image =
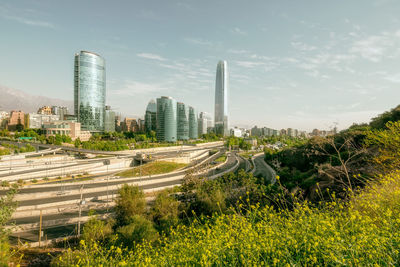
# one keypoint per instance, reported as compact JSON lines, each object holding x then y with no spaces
{"x":301,"y":64}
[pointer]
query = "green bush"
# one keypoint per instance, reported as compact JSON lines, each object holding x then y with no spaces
{"x":365,"y":232}
{"x":96,"y":230}
{"x":139,"y":229}
{"x":130,"y":202}
{"x":165,"y":211}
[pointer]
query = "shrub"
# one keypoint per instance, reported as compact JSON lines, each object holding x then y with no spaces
{"x":165,"y":211}
{"x":139,"y":229}
{"x":96,"y":230}
{"x":364,"y":233}
{"x":130,"y":202}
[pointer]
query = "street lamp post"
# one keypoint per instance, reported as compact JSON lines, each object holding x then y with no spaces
{"x":81,"y":202}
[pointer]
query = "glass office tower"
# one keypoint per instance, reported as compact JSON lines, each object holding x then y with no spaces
{"x":109,"y":120}
{"x":221,"y":99}
{"x":150,"y":118}
{"x":193,"y":124}
{"x":90,"y":91}
{"x":183,"y":121}
{"x":166,"y":119}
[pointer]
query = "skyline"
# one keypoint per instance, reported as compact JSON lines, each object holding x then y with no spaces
{"x":290,"y":65}
{"x":221,"y":99}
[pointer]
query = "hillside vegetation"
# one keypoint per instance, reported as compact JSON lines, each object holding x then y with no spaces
{"x":335,"y":203}
{"x":362,"y":232}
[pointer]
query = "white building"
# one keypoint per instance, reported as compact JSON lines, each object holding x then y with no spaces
{"x":35,"y":121}
{"x":236,"y":132}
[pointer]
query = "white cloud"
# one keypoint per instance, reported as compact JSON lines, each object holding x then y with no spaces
{"x":371,"y":48}
{"x":249,"y":64}
{"x":5,"y":13}
{"x":302,"y":46}
{"x":134,"y":88}
{"x":151,"y":56}
{"x":198,"y":41}
{"x":237,"y":30}
{"x":394,"y":78}
{"x":234,"y":51}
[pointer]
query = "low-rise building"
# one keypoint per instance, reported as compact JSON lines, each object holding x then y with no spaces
{"x":251,"y":141}
{"x":72,"y":129}
{"x":35,"y":121}
{"x":45,"y":110}
{"x":236,"y":132}
{"x":130,"y":125}
{"x":16,"y":121}
{"x":4,"y":116}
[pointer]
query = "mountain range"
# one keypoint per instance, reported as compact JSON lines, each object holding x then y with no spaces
{"x":14,"y":99}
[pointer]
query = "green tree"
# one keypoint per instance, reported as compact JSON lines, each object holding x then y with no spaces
{"x":131,"y":201}
{"x":387,"y":143}
{"x":77,"y":142}
{"x":380,"y":121}
{"x":7,"y":207}
{"x":165,"y":211}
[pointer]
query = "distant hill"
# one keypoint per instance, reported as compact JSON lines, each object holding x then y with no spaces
{"x":13,"y":99}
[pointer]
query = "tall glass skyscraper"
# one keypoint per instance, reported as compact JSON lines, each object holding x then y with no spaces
{"x":90,"y":91}
{"x":221,"y":99}
{"x":150,"y":118}
{"x":166,"y":119}
{"x":193,"y":125}
{"x":109,"y":120}
{"x":183,"y":121}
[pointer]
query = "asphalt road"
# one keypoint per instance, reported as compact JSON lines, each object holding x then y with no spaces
{"x":65,"y":186}
{"x":73,"y":212}
{"x":49,"y":233}
{"x":263,"y":169}
{"x":68,"y":230}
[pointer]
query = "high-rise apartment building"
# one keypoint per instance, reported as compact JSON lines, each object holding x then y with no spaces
{"x":59,"y":111}
{"x":193,"y":124}
{"x":166,"y":119}
{"x":182,"y":121}
{"x":221,"y":99}
{"x":150,"y":118}
{"x":90,"y":90}
{"x":204,"y":123}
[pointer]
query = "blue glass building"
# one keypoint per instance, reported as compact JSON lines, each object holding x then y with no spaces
{"x":193,"y":124}
{"x":166,"y":119}
{"x":221,"y":99}
{"x":90,"y":91}
{"x":150,"y":117}
{"x":182,"y":121}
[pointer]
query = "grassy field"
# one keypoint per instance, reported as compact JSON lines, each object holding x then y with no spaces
{"x":221,"y":158}
{"x":152,"y":168}
{"x":246,"y":155}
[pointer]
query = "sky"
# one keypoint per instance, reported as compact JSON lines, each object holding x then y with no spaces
{"x":302,"y":64}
